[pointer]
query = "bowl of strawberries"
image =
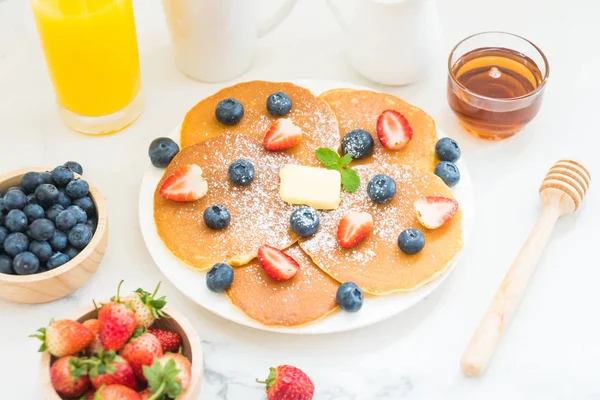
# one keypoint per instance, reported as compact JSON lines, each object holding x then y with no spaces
{"x":126,"y":348}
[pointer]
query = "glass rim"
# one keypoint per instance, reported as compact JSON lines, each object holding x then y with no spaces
{"x":505,"y":100}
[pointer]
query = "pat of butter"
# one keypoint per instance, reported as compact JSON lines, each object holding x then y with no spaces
{"x":315,"y":187}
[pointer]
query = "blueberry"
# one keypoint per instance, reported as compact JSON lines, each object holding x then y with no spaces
{"x":14,"y":200}
{"x":16,"y":221}
{"x":6,"y":265}
{"x":15,"y":243}
{"x":62,"y":176}
{"x":3,"y":234}
{"x":304,"y":221}
{"x":279,"y":104}
{"x":33,"y":212}
{"x":381,"y":188}
{"x":411,"y":241}
{"x":1,"y":218}
{"x":448,"y":172}
{"x":32,"y":199}
{"x":1,"y":205}
{"x":229,"y":111}
{"x":79,"y":214}
{"x":87,"y":205}
{"x":41,"y":229}
{"x":241,"y":172}
{"x":92,"y":223}
{"x":161,"y":151}
{"x":447,"y":149}
{"x":74,"y":166}
{"x":217,"y":217}
{"x":219,"y":278}
{"x":63,"y":199}
{"x":71,"y":252}
{"x":48,"y":177}
{"x":26,"y":263}
{"x":58,"y":241}
{"x":358,"y":144}
{"x":57,"y":260}
{"x":66,"y":220}
{"x":42,"y":250}
{"x":80,"y":236}
{"x":46,"y":194}
{"x":10,"y":189}
{"x":53,"y":211}
{"x":349,"y":297}
{"x":1,"y":194}
{"x":30,"y":181}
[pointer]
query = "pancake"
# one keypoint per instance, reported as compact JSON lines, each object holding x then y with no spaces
{"x":313,"y":116}
{"x":307,"y":297}
{"x":376,"y":264}
{"x":359,"y":109}
{"x":258,"y":216}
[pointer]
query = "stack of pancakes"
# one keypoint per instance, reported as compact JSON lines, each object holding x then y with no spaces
{"x":259,"y":216}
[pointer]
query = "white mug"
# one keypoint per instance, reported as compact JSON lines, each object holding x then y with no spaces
{"x":392,"y":42}
{"x":215,"y":40}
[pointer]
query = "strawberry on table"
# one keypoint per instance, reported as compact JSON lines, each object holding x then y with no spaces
{"x":283,"y":134}
{"x":147,"y":308}
{"x":169,"y":341}
{"x":187,"y":183}
{"x":95,"y":346}
{"x":288,"y":383}
{"x":141,"y":351}
{"x":169,"y":375}
{"x":393,"y":130}
{"x":353,"y":228}
{"x":116,"y":392}
{"x":64,"y":337}
{"x":435,"y":211}
{"x":117,"y":323}
{"x":276,"y":263}
{"x":109,"y":369}
{"x":69,"y":376}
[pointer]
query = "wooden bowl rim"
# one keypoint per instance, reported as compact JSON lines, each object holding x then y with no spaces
{"x":186,"y":326}
{"x":83,"y":254}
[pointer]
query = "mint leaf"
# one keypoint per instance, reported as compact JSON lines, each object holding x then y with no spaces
{"x":350,"y":180}
{"x":328,"y":157}
{"x":344,"y":161}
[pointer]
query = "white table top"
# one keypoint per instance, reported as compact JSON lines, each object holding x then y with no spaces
{"x":551,"y":350}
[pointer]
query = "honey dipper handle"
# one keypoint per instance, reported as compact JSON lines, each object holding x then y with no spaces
{"x":481,"y":348}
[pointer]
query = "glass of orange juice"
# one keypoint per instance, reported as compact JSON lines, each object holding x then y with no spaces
{"x":92,"y":58}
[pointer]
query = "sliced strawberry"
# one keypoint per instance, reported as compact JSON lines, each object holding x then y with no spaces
{"x":283,"y":134}
{"x":276,"y":263}
{"x":393,"y":130}
{"x":187,"y":183}
{"x":435,"y":211}
{"x":353,"y":228}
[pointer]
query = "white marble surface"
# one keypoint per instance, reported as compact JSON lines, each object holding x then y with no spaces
{"x":551,"y":351}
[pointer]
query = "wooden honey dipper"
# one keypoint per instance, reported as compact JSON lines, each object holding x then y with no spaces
{"x":562,"y":192}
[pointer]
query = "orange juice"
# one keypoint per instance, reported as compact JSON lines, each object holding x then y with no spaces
{"x":91,"y":53}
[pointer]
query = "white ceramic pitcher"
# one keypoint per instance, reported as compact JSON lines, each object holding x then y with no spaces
{"x":392,"y":42}
{"x":215,"y":40}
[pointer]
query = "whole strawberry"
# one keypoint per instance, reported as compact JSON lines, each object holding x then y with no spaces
{"x":146,"y":307}
{"x":288,"y":383}
{"x":170,"y":341}
{"x":117,"y":323}
{"x":169,"y":375}
{"x":110,"y":369}
{"x":116,"y":392}
{"x":69,"y":376}
{"x":95,"y":346}
{"x":64,"y":337}
{"x":141,"y":351}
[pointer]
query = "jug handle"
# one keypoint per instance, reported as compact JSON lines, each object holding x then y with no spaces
{"x":337,"y":12}
{"x":276,"y":19}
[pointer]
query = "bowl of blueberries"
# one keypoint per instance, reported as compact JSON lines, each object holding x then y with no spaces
{"x":53,"y":233}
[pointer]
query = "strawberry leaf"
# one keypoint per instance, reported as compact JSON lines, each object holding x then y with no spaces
{"x":328,"y":157}
{"x":162,"y":379}
{"x":350,"y":180}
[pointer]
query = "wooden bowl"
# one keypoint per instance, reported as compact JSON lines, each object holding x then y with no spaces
{"x":59,"y":282}
{"x":191,"y":348}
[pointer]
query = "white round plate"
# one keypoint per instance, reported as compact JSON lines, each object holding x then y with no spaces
{"x":193,"y":283}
